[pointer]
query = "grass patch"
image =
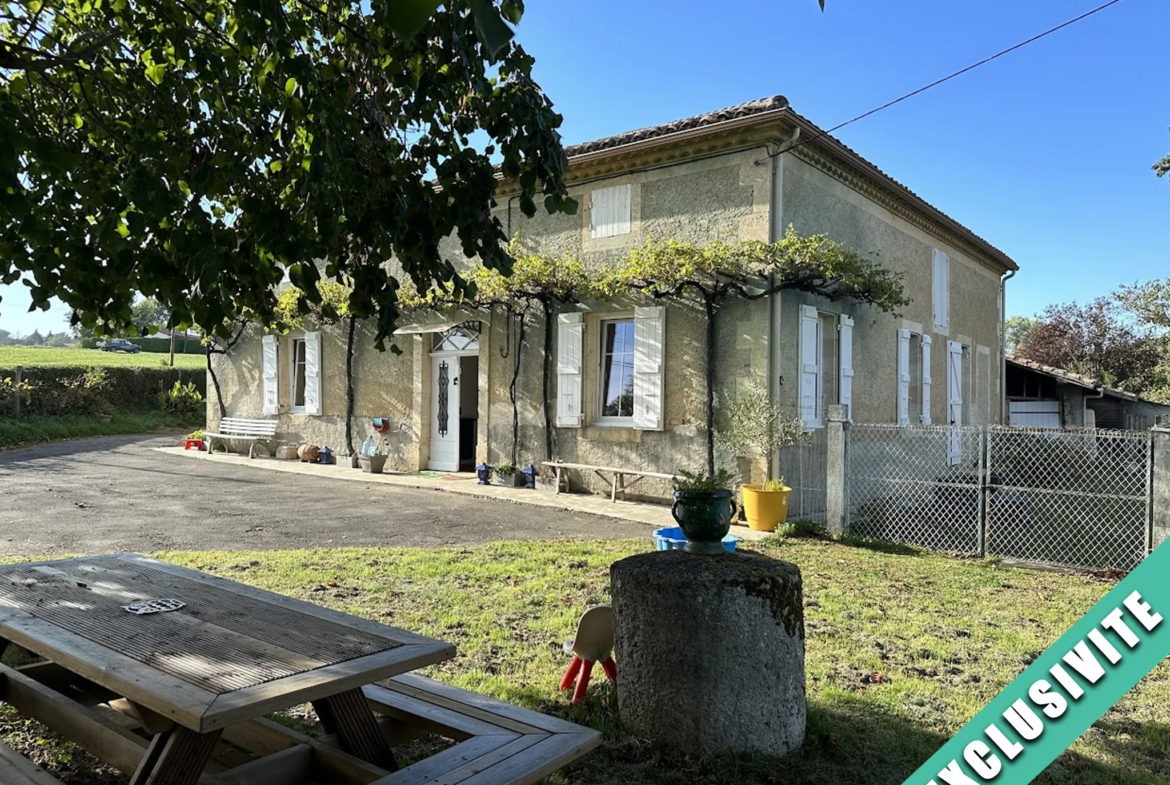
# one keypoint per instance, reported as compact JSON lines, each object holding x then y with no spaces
{"x":51,"y":357}
{"x":43,"y":429}
{"x":945,"y":635}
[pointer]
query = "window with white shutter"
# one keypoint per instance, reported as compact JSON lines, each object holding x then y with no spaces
{"x":926,"y":342}
{"x":810,"y":346}
{"x":942,"y":290}
{"x":570,"y":330}
{"x":903,"y":377}
{"x":269,"y":375}
{"x":312,"y":371}
{"x":610,"y":211}
{"x":845,"y":336}
{"x":649,"y":359}
{"x":955,"y":401}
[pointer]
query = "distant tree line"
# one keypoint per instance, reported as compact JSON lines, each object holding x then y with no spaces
{"x":1122,"y":340}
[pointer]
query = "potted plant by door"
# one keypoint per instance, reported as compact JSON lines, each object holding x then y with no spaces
{"x":546,"y":480}
{"x":754,"y":429}
{"x":703,"y":507}
{"x":507,"y":475}
{"x":373,"y":464}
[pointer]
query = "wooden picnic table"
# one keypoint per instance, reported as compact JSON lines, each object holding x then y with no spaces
{"x":232,"y":654}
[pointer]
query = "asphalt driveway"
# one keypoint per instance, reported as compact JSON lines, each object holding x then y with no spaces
{"x":113,"y":494}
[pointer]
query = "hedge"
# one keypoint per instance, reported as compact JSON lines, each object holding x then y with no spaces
{"x":163,"y":345}
{"x":90,"y":390}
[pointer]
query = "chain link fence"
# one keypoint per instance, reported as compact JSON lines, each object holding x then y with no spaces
{"x":804,"y":468}
{"x":916,"y":484}
{"x":1078,"y":498}
{"x":1072,"y":497}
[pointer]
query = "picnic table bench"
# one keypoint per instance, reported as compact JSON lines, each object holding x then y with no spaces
{"x":615,"y":477}
{"x":241,"y":429}
{"x":179,"y":697}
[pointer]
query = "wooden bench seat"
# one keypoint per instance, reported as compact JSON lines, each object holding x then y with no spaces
{"x":500,"y":744}
{"x":15,"y":769}
{"x":616,"y":477}
{"x":243,"y":430}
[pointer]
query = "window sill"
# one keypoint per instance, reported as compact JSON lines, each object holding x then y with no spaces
{"x":297,"y":410}
{"x":614,"y":422}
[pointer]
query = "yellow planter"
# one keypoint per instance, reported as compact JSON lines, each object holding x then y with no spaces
{"x":765,"y":510}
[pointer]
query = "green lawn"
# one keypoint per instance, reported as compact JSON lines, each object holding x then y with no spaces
{"x":42,"y":430}
{"x":945,"y":635}
{"x":11,"y":356}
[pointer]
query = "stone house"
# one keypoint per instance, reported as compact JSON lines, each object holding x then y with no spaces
{"x":628,"y":377}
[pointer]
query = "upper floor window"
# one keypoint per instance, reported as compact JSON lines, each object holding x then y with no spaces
{"x":942,"y":290}
{"x":610,"y":211}
{"x":617,"y":369}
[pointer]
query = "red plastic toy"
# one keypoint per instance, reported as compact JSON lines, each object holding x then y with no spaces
{"x":593,"y":643}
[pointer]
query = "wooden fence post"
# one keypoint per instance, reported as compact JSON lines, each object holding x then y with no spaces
{"x":17,"y":380}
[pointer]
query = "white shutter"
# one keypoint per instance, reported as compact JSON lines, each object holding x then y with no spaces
{"x":845,"y":333}
{"x":269,"y":374}
{"x":610,"y":211}
{"x":903,"y":377}
{"x":955,"y":401}
{"x":570,"y":330}
{"x":926,"y":341}
{"x":649,"y":356}
{"x":312,"y":373}
{"x":942,"y":290}
{"x":810,"y":357}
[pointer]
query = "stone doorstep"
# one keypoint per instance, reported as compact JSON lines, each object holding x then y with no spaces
{"x":656,"y":515}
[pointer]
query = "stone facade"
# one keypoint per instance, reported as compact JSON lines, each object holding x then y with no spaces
{"x":710,"y":183}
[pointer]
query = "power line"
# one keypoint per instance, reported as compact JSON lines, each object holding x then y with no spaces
{"x":937,"y":82}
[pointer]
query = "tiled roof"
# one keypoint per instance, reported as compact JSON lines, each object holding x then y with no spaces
{"x":811,"y":134}
{"x":675,"y":126}
{"x":1058,"y":373}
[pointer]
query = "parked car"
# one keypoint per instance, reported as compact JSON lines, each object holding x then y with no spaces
{"x":119,"y":345}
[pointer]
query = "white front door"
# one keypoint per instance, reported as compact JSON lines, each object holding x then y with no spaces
{"x":444,"y":413}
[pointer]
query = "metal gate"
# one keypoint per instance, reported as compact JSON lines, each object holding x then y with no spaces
{"x":1079,"y":498}
{"x":916,"y":484}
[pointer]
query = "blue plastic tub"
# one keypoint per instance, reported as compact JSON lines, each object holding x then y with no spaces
{"x":673,"y":539}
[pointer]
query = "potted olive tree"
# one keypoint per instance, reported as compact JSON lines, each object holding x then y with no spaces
{"x":704,"y":506}
{"x":754,"y":428}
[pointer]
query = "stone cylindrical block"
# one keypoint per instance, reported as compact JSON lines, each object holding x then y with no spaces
{"x":710,"y":651}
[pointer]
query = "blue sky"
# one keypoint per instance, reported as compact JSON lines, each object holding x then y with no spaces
{"x":1045,"y":152}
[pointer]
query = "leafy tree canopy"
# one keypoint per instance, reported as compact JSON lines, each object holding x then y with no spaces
{"x":196,"y":150}
{"x":1097,"y":340}
{"x":1016,"y":331}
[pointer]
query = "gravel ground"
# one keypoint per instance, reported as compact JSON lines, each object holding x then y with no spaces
{"x":114,"y":494}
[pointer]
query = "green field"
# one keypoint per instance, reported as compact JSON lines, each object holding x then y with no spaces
{"x":11,"y":356}
{"x":903,"y":648}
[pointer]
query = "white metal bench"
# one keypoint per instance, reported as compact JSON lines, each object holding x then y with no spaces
{"x":242,"y":430}
{"x":615,"y":477}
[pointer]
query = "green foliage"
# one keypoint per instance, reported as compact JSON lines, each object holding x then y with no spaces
{"x":532,"y":277}
{"x":803,"y":528}
{"x":69,"y":390}
{"x":775,"y":486}
{"x":89,"y":342}
{"x":11,"y":390}
{"x":1016,"y":332}
{"x":332,"y":305}
{"x":1149,"y":302}
{"x":196,"y":434}
{"x":689,"y":481}
{"x":753,"y":269}
{"x":753,"y":426}
{"x":52,"y":357}
{"x":183,"y":400}
{"x":39,"y":429}
{"x":504,"y":468}
{"x":196,"y":153}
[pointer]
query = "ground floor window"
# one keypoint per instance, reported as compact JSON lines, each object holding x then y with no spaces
{"x":297,"y":377}
{"x":617,"y":370}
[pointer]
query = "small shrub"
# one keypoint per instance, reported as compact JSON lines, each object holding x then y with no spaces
{"x":90,"y":342}
{"x":196,"y":434}
{"x":776,"y":486}
{"x":803,"y":528}
{"x":687,"y":481}
{"x":504,"y":468}
{"x":183,"y":400}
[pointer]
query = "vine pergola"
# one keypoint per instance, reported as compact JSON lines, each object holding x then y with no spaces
{"x":708,"y":275}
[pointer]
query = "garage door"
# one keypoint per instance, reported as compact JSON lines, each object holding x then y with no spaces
{"x":1034,"y":414}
